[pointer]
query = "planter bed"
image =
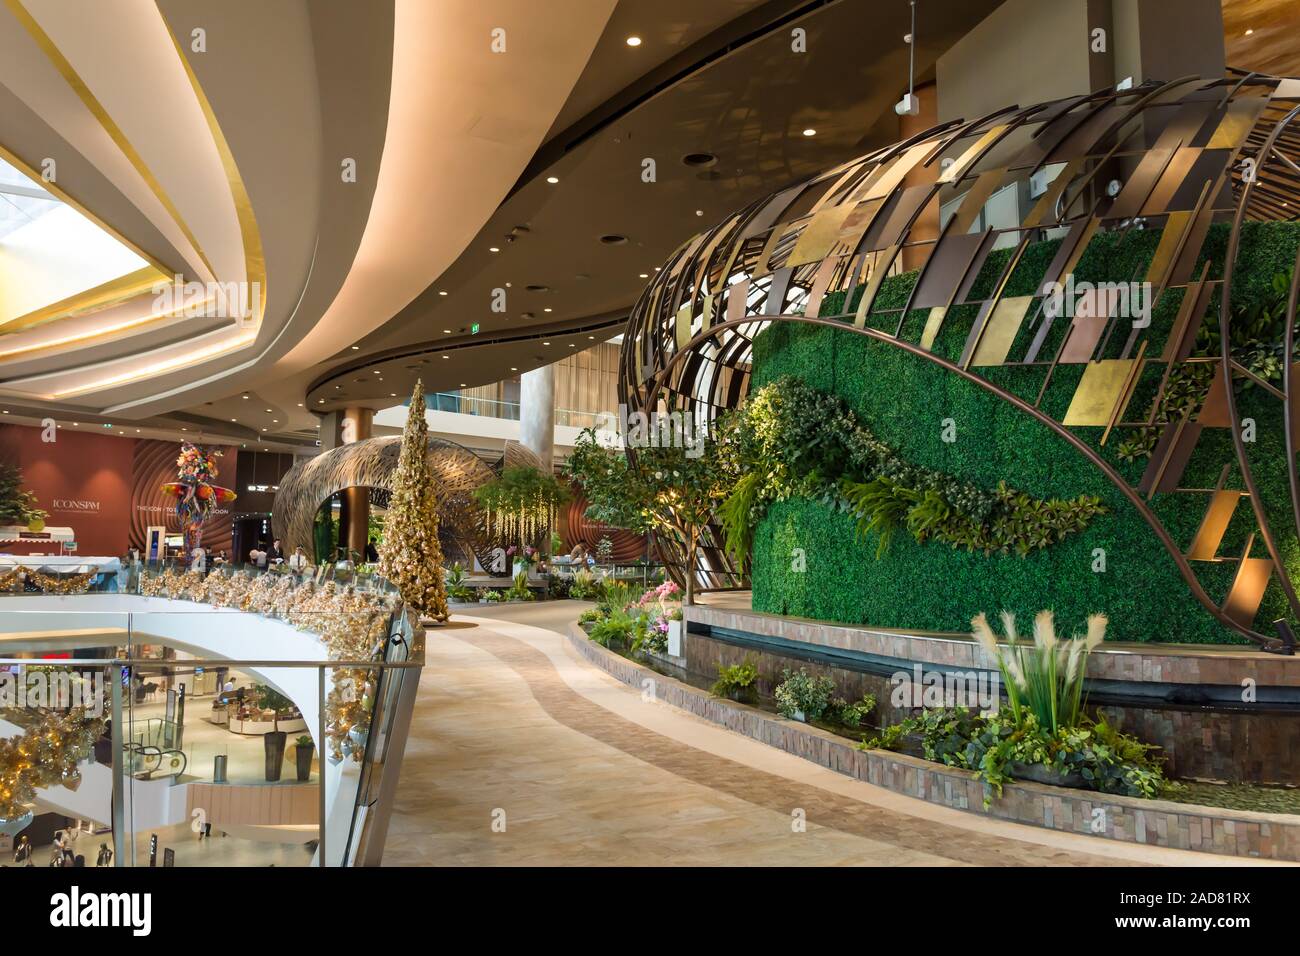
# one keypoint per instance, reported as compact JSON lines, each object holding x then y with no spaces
{"x":1165,"y":823}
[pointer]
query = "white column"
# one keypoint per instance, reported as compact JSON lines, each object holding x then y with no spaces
{"x":537,"y":412}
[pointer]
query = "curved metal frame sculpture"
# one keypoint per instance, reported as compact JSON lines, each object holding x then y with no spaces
{"x":372,"y":463}
{"x":1176,"y":151}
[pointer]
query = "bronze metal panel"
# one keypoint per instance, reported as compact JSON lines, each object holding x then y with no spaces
{"x":1182,"y":337}
{"x":945,"y":269}
{"x":1169,"y":458}
{"x":737,"y":300}
{"x":1236,"y":121}
{"x":879,"y":269}
{"x":1099,"y":391}
{"x":932,"y":326}
{"x":820,"y":282}
{"x":978,"y":194}
{"x":1162,"y":259}
{"x":1135,"y":192}
{"x":1217,"y":517}
{"x":1214,"y":413}
{"x":1171,"y":180}
{"x":1067,"y":255}
{"x":684,"y":315}
{"x":1211,"y":165}
{"x":822,"y":232}
{"x":1081,"y":341}
{"x":1000,"y":330}
{"x":1248,"y":589}
{"x":972,"y":153}
{"x":901,"y":210}
{"x":775,"y":304}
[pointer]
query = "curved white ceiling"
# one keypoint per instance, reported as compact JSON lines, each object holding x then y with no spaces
{"x":232,"y":154}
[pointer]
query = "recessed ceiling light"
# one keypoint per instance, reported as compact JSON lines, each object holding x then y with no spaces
{"x":234,"y":419}
{"x":446,"y":331}
{"x":552,"y":179}
{"x":699,"y":212}
{"x":699,"y":160}
{"x":657,"y":268}
{"x":268,"y":411}
{"x":245,"y":397}
{"x":633,"y":41}
{"x":446,"y":356}
{"x":1249,"y":32}
{"x":442,"y":292}
{"x":592,"y":337}
{"x":300,"y":404}
{"x":493,"y":249}
{"x":544,"y":343}
{"x":644,"y":275}
{"x":355,"y":347}
{"x":571,"y":345}
{"x":78,"y":425}
{"x":513,"y":369}
{"x":463,"y":385}
{"x":810,"y":132}
{"x":546,"y":310}
{"x":320,"y":401}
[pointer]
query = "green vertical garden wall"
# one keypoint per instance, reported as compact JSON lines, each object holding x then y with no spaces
{"x":808,"y":559}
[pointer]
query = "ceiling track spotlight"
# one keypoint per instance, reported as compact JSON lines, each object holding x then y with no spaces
{"x":909,"y":105}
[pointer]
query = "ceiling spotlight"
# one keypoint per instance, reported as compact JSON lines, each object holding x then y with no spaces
{"x":442,"y":292}
{"x":234,"y":419}
{"x":544,"y":343}
{"x":552,"y":179}
{"x":1249,"y":32}
{"x":463,"y":385}
{"x":493,"y":249}
{"x":245,"y":397}
{"x":513,"y":369}
{"x":546,"y":310}
{"x":644,"y":275}
{"x":699,"y":212}
{"x":446,"y":331}
{"x":634,"y":41}
{"x":446,"y":356}
{"x":354,"y":348}
{"x":810,"y":132}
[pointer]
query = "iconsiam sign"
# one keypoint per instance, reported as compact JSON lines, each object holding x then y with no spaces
{"x":196,"y":496}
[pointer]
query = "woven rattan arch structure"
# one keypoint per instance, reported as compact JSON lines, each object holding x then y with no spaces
{"x":1179,"y":157}
{"x":372,"y":463}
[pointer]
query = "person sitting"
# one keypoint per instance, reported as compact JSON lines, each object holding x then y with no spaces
{"x":578,"y":555}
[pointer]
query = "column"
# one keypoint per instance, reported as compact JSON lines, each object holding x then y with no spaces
{"x":537,"y":412}
{"x":355,"y":426}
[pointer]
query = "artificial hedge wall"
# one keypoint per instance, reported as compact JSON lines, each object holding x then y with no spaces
{"x":904,"y":399}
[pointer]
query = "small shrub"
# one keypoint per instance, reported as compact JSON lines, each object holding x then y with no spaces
{"x":736,"y":681}
{"x":801,"y":691}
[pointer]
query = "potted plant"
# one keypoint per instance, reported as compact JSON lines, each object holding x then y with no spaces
{"x":801,"y":696}
{"x":274,"y":741}
{"x":737,"y":682}
{"x":303,"y":753}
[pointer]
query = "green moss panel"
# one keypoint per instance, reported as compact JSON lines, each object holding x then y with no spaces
{"x":905,"y":399}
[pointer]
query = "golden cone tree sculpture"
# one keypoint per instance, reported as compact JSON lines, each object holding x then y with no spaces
{"x":412,"y":557}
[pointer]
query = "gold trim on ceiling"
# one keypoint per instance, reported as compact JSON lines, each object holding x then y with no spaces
{"x":110,"y":293}
{"x":254,"y":260}
{"x":78,"y":85}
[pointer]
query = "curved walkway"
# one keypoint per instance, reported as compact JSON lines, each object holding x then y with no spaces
{"x":521,"y":754}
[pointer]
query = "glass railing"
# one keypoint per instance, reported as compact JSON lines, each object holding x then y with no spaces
{"x":492,"y":408}
{"x":193,"y":734}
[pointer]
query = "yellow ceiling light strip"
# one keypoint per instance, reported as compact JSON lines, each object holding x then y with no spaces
{"x":99,"y":333}
{"x":114,"y":292}
{"x":74,"y":80}
{"x":254,"y":260}
{"x":160,"y":368}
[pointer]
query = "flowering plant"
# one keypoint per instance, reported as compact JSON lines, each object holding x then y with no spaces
{"x":661,"y":604}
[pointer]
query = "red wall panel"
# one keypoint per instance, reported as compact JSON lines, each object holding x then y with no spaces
{"x":106,"y":488}
{"x":82,"y":479}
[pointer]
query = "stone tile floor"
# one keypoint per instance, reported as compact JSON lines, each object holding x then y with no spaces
{"x":574,"y":768}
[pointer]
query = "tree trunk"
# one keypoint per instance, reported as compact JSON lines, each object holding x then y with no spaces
{"x":690,"y":575}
